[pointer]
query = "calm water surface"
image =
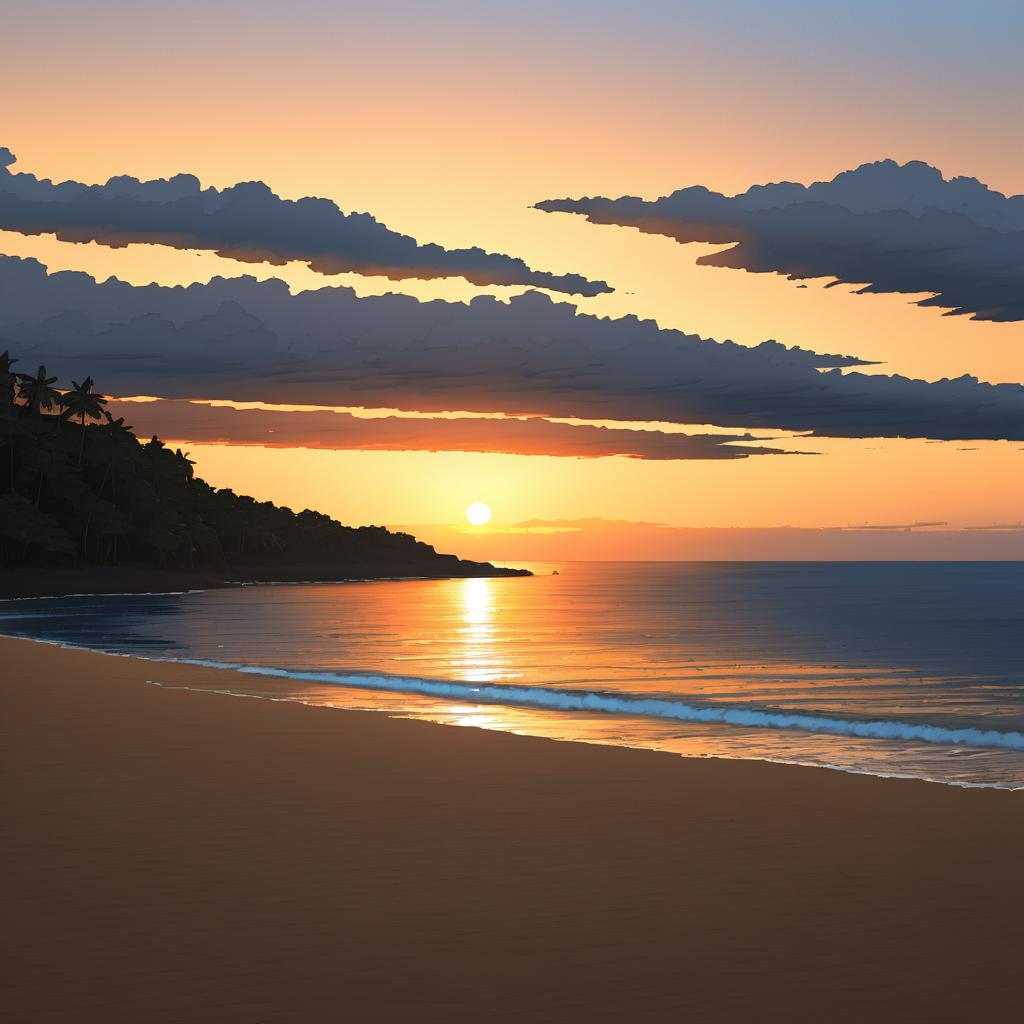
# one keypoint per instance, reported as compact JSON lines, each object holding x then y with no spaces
{"x":890,"y":668}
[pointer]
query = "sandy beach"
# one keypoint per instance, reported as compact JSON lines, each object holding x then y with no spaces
{"x":176,"y":856}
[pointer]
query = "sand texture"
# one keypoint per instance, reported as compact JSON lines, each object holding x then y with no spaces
{"x":173,"y":856}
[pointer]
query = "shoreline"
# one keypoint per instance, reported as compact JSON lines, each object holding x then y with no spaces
{"x":270,"y":676}
{"x":22,"y":584}
{"x":182,"y":856}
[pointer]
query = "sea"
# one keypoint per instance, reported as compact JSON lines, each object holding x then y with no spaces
{"x":891,"y":669}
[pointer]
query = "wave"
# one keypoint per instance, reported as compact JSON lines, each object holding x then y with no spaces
{"x":547,"y":698}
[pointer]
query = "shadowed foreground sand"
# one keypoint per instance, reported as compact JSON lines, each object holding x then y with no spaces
{"x":179,"y":856}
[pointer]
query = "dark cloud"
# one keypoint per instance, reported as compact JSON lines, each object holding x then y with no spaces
{"x":247,"y":340}
{"x":888,"y":227}
{"x":249,"y":222}
{"x":326,"y":429}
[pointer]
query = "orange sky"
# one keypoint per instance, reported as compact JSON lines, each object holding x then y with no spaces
{"x":450,"y":139}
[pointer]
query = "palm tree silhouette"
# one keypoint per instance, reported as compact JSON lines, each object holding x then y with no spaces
{"x":115,"y":448}
{"x":7,"y":382}
{"x":38,"y":395}
{"x":81,"y":401}
{"x":116,"y":426}
{"x":186,"y":463}
{"x":7,"y":379}
{"x":37,"y":392}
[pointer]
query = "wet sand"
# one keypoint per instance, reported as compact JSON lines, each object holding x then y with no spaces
{"x":174,"y":856}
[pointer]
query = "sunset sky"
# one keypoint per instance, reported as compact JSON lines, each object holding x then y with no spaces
{"x":448,"y":122}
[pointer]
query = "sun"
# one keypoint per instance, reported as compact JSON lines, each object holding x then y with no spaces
{"x":478,"y":514}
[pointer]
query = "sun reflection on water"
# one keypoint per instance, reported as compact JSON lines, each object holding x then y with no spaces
{"x":478,"y":656}
{"x":785,"y":639}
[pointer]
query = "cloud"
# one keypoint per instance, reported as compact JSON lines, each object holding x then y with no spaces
{"x":326,"y":429}
{"x":899,"y":526}
{"x":249,"y":222}
{"x":246,"y":340}
{"x":888,"y":227}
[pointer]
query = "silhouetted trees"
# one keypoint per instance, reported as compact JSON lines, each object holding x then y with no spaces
{"x":92,"y":493}
{"x":36,"y":392}
{"x":80,"y":401}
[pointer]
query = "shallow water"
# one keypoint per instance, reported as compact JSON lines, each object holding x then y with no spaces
{"x":910,"y":669}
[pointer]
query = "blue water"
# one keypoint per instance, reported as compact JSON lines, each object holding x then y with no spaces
{"x":904,"y":669}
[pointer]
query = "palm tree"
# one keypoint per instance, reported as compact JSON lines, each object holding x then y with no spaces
{"x":7,"y":379}
{"x":81,"y":401}
{"x":117,"y":426}
{"x":186,"y":463}
{"x":37,"y":392}
{"x":7,"y":382}
{"x":112,"y":438}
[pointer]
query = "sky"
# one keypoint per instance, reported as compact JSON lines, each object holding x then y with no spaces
{"x":448,"y":122}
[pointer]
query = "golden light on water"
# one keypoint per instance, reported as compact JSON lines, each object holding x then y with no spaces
{"x":478,"y":514}
{"x":477,"y":653}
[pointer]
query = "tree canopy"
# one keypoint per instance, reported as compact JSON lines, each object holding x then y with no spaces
{"x":77,"y":487}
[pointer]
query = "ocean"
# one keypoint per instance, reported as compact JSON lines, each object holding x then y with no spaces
{"x":891,"y":669}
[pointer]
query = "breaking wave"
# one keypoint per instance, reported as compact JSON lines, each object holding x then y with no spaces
{"x":647,"y":707}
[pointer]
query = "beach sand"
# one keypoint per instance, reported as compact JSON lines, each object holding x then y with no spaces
{"x":180,"y":856}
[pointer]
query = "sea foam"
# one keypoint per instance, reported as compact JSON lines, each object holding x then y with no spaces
{"x":546,"y":698}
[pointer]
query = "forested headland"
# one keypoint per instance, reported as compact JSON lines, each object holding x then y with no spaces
{"x":82,"y":498}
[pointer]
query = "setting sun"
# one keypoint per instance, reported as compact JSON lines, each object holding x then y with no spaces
{"x":478,"y":514}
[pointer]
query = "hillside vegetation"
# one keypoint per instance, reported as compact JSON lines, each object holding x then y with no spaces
{"x":79,"y":489}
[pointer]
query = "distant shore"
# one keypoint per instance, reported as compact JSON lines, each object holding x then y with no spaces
{"x":179,"y":855}
{"x":21,"y":583}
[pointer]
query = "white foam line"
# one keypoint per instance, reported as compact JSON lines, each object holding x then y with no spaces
{"x":646,"y":707}
{"x":720,"y":756}
{"x":545,"y":698}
